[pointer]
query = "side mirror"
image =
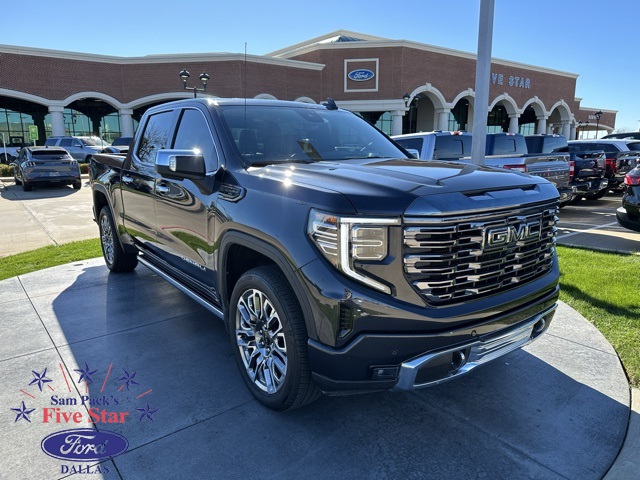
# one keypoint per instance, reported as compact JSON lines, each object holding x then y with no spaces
{"x":180,"y":164}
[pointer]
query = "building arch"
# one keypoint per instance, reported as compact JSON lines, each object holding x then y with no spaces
{"x":100,"y":96}
{"x":537,"y":105}
{"x":265,"y":96}
{"x":305,"y":100}
{"x":461,"y":114}
{"x":507,"y":102}
{"x":25,"y":96}
{"x":563,"y":110}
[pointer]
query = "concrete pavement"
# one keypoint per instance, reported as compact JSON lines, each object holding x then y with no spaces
{"x":557,"y":409}
{"x":45,"y":216}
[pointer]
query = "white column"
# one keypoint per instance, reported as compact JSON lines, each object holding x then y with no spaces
{"x":57,"y":121}
{"x":565,"y":129}
{"x":542,"y":124}
{"x":442,"y":119}
{"x":572,"y":134}
{"x":396,"y":122}
{"x":513,"y":123}
{"x":126,"y":122}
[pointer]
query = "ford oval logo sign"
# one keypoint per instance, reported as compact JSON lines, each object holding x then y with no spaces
{"x":84,"y":445}
{"x":361,"y":75}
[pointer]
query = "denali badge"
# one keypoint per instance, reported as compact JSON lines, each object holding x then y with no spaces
{"x":503,"y":236}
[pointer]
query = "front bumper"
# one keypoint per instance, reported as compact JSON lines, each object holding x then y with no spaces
{"x":383,"y":361}
{"x":435,"y":368}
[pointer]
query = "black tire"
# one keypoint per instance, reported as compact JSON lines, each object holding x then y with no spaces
{"x":15,"y":179}
{"x":26,"y":187}
{"x":601,"y":194}
{"x":77,"y":185}
{"x":576,"y":200}
{"x":263,"y":349}
{"x":116,"y":258}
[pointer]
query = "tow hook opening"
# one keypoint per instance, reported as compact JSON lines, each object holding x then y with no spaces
{"x":539,"y":327}
{"x":458,"y":360}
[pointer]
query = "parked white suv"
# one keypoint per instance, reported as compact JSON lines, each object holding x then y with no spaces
{"x":80,"y":148}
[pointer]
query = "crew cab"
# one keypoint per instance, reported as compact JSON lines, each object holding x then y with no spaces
{"x":586,"y":167}
{"x":338,"y":263}
{"x":504,"y":150}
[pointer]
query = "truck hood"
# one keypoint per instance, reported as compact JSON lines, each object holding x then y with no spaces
{"x":399,"y":186}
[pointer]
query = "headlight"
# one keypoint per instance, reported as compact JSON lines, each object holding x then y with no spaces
{"x":344,"y":239}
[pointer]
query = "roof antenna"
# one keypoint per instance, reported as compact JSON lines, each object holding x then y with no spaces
{"x":330,"y":104}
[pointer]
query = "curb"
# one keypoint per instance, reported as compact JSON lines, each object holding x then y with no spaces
{"x":625,"y":466}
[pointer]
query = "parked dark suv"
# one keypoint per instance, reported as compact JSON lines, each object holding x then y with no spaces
{"x":43,"y":165}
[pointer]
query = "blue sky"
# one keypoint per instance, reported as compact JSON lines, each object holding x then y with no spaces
{"x":600,"y":43}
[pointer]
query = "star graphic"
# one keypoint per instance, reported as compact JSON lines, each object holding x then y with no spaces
{"x":129,"y":378}
{"x":40,"y":378}
{"x":85,"y":374}
{"x":146,"y":412}
{"x":23,"y":413}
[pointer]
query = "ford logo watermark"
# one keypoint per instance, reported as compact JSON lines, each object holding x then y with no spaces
{"x":361,"y":75}
{"x":84,"y":445}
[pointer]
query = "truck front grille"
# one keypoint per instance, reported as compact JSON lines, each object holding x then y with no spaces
{"x":449,"y":260}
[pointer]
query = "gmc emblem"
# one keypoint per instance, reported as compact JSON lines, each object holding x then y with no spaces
{"x":503,"y":236}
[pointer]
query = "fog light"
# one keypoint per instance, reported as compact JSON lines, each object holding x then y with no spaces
{"x":385,"y":373}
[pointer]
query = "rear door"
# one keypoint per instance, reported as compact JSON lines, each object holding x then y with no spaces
{"x":139,"y":178}
{"x":185,"y":208}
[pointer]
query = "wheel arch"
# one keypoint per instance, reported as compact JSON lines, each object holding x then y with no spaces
{"x":240,"y":252}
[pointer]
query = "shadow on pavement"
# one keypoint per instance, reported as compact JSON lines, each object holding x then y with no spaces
{"x":166,"y":361}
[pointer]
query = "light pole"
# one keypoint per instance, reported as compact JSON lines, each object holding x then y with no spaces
{"x":204,"y":79}
{"x":598,"y":114}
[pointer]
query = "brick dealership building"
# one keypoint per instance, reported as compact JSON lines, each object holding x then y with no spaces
{"x":400,"y":85}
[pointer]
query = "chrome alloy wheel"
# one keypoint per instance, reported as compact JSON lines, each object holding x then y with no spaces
{"x":106,"y":238}
{"x":261,"y":341}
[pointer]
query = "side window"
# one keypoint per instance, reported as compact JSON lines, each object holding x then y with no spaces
{"x":65,"y":142}
{"x":50,"y":142}
{"x":194,"y":134}
{"x":155,"y":137}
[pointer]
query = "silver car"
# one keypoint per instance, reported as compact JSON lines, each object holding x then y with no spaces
{"x":44,"y":165}
{"x":80,"y":148}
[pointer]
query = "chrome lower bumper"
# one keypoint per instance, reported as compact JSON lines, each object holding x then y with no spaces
{"x":464,"y":358}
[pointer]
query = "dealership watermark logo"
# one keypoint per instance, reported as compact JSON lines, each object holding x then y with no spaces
{"x":91,"y":399}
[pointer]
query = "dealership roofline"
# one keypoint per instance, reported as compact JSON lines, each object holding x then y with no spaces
{"x":326,"y":42}
{"x":159,"y":58}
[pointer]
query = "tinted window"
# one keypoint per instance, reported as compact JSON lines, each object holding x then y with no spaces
{"x":607,"y":147}
{"x":155,"y":137}
{"x":65,"y":142}
{"x":634,"y":146}
{"x":503,"y":145}
{"x":452,"y":146}
{"x":545,"y":144}
{"x":50,"y":142}
{"x":49,"y":153}
{"x":415,"y":143}
{"x":194,"y":134}
{"x":264,"y":134}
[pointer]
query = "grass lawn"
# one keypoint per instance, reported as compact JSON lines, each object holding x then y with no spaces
{"x":50,"y":256}
{"x":603,"y":287}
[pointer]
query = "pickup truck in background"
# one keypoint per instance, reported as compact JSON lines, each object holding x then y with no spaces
{"x":504,"y":150}
{"x":10,"y":151}
{"x":338,"y":263}
{"x":587,"y":167}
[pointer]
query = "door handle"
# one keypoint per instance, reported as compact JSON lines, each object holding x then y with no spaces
{"x":127,"y":179}
{"x":162,"y":189}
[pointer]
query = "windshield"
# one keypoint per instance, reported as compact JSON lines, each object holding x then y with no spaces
{"x":268,"y":134}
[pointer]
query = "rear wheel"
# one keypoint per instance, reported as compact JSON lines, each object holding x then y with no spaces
{"x":77,"y":185}
{"x":16,"y":180}
{"x":116,"y":258}
{"x":269,"y":340}
{"x":26,"y":187}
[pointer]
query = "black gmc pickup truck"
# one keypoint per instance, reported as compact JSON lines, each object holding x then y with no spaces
{"x":338,"y":263}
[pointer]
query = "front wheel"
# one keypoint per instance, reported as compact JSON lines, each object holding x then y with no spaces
{"x":269,"y":340}
{"x":116,"y":258}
